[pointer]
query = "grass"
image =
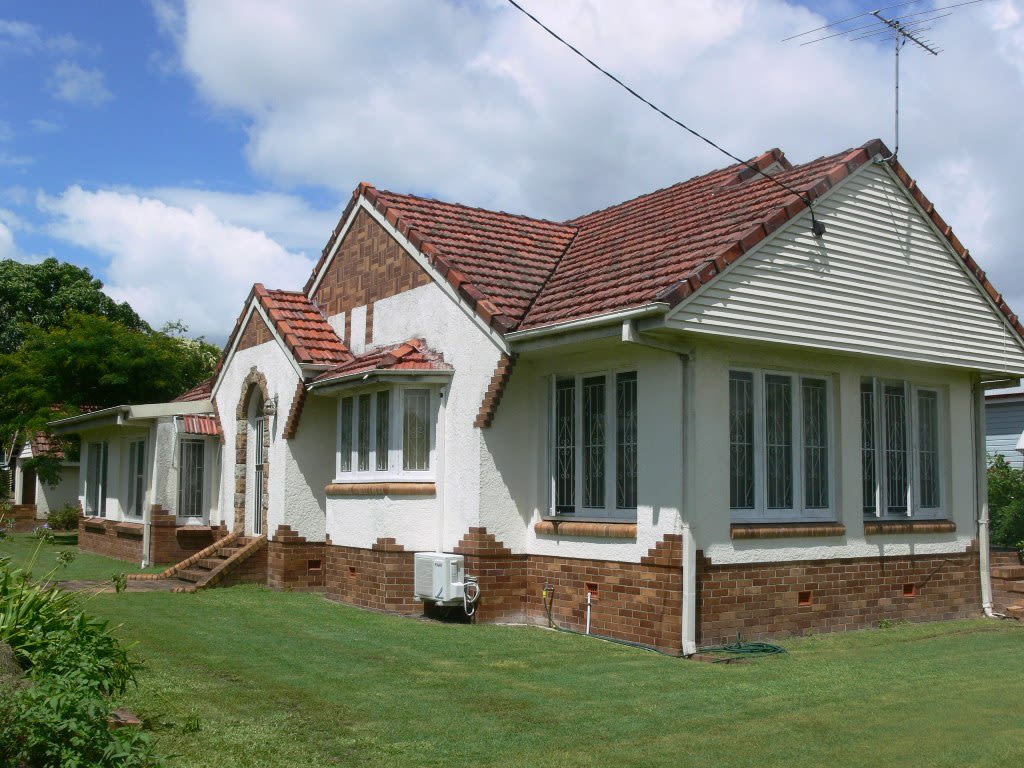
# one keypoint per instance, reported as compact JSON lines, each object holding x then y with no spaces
{"x":245,"y":676}
{"x":21,"y":548}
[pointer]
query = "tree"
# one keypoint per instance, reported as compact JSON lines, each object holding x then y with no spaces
{"x":1006,"y":503}
{"x":95,"y":361}
{"x":42,"y":296}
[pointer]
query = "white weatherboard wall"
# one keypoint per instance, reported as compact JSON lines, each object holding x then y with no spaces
{"x":427,"y":313}
{"x":515,"y":464}
{"x":709,"y":471}
{"x":276,"y":366}
{"x":1004,"y":424}
{"x":880,"y":282}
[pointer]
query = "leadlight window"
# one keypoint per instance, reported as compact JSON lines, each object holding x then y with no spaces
{"x":901,"y":449}
{"x":594,"y":445}
{"x":191,"y":478}
{"x":136,"y":477}
{"x":780,"y":439}
{"x":387,"y":432}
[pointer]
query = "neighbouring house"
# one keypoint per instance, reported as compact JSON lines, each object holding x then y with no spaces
{"x":1004,"y":425}
{"x":705,"y":412}
{"x":32,"y":499}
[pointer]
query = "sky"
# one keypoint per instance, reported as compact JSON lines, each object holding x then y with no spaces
{"x":182,"y":151}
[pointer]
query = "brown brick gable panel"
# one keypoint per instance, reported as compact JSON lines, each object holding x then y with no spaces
{"x":256,"y":332}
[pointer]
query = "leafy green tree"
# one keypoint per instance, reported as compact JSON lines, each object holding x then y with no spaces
{"x":42,"y":296}
{"x":95,"y":361}
{"x":1006,"y":503}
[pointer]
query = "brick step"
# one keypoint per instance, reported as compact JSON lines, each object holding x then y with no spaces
{"x":1008,"y":572}
{"x":209,"y":563}
{"x":1014,"y":586}
{"x":227,"y":552}
{"x":1017,"y":611}
{"x":192,"y":575}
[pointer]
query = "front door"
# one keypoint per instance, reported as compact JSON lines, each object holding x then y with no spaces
{"x":257,"y":487}
{"x":28,"y":486}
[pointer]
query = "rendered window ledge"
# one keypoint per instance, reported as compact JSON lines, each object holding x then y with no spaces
{"x":784,"y":530}
{"x":602,"y":530}
{"x":390,"y":488}
{"x":879,"y":527}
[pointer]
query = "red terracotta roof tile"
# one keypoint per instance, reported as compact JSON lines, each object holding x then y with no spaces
{"x":411,"y":355}
{"x":202,"y":425}
{"x":44,"y":444}
{"x":201,"y":391}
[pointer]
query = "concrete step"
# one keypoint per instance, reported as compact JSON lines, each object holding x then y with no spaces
{"x":1017,"y":611}
{"x":1008,"y":572}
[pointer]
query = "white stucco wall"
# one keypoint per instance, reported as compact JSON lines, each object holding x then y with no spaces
{"x":515,"y":463}
{"x":117,"y":439}
{"x":427,"y":313}
{"x":309,"y":466}
{"x":276,"y":366}
{"x":708,"y":474}
{"x":51,"y":497}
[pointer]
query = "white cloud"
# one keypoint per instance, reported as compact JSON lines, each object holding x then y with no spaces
{"x":78,"y":85}
{"x":7,"y":249}
{"x":472,"y":102}
{"x":20,"y":37}
{"x":170,"y":263}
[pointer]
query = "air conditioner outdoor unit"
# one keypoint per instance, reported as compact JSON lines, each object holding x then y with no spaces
{"x":439,"y":578}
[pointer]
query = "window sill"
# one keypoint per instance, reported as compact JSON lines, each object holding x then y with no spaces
{"x":882,"y":527}
{"x":603,"y":530}
{"x":784,"y":530}
{"x":380,"y":489}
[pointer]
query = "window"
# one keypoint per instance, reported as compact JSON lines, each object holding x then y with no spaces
{"x":136,"y":477}
{"x":779,"y":446}
{"x":388,"y":433}
{"x":191,"y":478}
{"x":901,"y":444}
{"x":96,"y":480}
{"x":594,"y":445}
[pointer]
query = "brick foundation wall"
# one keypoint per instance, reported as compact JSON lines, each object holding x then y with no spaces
{"x":252,"y":571}
{"x":1002,"y":596}
{"x":123,"y":540}
{"x":380,"y":578}
{"x":774,"y":600}
{"x":502,"y":577}
{"x":295,"y":564}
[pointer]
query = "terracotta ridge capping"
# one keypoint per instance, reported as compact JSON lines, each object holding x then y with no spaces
{"x":610,"y":530}
{"x":391,"y":488}
{"x":291,"y":426}
{"x":784,"y":530}
{"x":881,"y":527}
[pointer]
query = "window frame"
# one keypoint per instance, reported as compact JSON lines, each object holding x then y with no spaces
{"x":136,"y":478}
{"x":395,"y":395}
{"x":204,"y":501}
{"x":912,"y":391}
{"x":97,"y":482}
{"x":799,"y":511}
{"x":611,"y":447}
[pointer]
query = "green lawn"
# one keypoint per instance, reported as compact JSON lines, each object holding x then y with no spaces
{"x":248,"y":677}
{"x":22,"y":548}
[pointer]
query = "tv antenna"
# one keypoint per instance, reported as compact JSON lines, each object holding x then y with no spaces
{"x":904,"y":26}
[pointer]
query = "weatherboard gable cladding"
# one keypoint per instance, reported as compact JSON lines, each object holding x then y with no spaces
{"x":882,"y":281}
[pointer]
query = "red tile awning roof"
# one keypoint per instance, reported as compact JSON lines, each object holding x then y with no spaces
{"x":202,"y":425}
{"x":43,"y":444}
{"x":519,"y":273}
{"x":410,"y":356}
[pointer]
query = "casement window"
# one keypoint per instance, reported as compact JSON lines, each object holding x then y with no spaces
{"x":192,"y":478}
{"x":136,"y":477}
{"x":780,"y":446}
{"x":902,"y":441}
{"x":594,"y":445}
{"x":386,"y":433}
{"x":96,"y":479}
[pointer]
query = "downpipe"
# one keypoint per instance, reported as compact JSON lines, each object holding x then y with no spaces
{"x":981,"y":482}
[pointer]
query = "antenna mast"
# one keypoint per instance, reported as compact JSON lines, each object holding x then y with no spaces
{"x":903,"y":28}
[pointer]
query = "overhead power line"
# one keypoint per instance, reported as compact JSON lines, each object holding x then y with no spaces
{"x":816,"y":226}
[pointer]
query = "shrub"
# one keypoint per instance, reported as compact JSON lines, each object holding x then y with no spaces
{"x":74,"y":665}
{"x":1006,"y":503}
{"x":63,"y":519}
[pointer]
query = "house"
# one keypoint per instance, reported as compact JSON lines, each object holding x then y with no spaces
{"x":32,"y":499}
{"x":708,"y":411}
{"x":1004,"y":425}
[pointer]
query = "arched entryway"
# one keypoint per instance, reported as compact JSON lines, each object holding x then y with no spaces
{"x":252,"y":456}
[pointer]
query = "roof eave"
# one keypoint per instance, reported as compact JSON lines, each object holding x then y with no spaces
{"x":350,"y":380}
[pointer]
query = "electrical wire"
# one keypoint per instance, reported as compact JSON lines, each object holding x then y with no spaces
{"x":658,"y":109}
